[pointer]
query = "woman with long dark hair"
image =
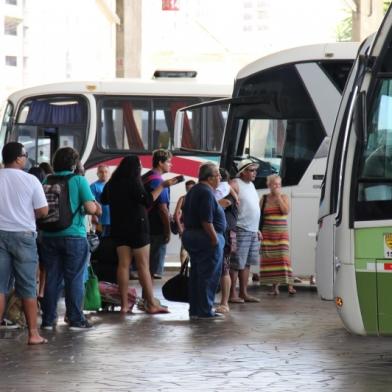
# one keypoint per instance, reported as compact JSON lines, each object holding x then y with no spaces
{"x":128,"y":201}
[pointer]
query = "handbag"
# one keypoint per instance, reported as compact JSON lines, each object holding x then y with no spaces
{"x":176,"y":289}
{"x":173,"y":226}
{"x":92,"y":296}
{"x":93,"y":241}
{"x":263,"y":203}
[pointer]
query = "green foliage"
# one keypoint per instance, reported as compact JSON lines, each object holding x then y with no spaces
{"x":344,"y":28}
{"x":386,"y":5}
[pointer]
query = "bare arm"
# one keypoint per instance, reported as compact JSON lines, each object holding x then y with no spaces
{"x":165,"y":184}
{"x":178,"y":214}
{"x":41,"y":212}
{"x":165,"y":218}
{"x":209,"y":229}
{"x":92,"y":208}
{"x":284,"y":203}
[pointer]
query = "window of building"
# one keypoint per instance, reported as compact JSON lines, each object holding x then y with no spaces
{"x":10,"y":26}
{"x":11,"y":61}
{"x":11,"y":2}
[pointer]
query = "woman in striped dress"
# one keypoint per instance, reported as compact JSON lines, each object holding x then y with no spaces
{"x":275,"y":265}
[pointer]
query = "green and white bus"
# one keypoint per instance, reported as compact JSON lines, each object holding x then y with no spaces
{"x":355,"y":219}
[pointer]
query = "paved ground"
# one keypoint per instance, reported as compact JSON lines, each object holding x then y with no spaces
{"x":281,"y":344}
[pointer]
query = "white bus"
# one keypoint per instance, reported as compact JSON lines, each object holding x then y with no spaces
{"x":281,"y":115}
{"x":356,"y":203}
{"x":106,"y":120}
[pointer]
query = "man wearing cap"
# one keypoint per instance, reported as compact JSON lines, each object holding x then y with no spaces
{"x":247,"y":230}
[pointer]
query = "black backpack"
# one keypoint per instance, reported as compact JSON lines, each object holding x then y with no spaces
{"x":60,"y":214}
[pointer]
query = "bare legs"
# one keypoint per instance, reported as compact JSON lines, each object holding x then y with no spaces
{"x":225,"y":284}
{"x":30,"y":311}
{"x":141,"y":256}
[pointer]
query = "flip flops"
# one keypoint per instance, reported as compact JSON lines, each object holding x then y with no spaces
{"x":236,"y":300}
{"x":249,"y":298}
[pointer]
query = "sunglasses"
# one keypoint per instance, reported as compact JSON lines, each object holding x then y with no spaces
{"x":24,"y":155}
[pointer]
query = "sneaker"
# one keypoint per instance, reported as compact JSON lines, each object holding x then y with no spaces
{"x":82,"y":326}
{"x":8,"y":324}
{"x":215,"y":316}
{"x":48,"y":327}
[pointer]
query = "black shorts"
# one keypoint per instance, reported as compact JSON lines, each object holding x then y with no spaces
{"x":134,"y":241}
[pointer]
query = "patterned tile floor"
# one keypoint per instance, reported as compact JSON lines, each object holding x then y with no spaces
{"x":279,"y":344}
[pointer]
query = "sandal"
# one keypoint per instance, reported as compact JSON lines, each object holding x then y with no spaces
{"x":274,"y":290}
{"x":292,"y":291}
{"x":222,"y":309}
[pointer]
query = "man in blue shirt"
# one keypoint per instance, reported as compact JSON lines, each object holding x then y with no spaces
{"x":158,"y":215}
{"x":103,"y":222}
{"x":203,"y":238}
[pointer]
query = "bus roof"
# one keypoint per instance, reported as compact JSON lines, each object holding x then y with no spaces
{"x":128,"y":87}
{"x":302,"y":54}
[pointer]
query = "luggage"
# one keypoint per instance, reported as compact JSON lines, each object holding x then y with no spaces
{"x":110,"y":296}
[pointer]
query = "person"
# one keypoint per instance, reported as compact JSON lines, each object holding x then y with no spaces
{"x":130,"y":230}
{"x":179,"y":219}
{"x":64,"y":252}
{"x":203,"y":238}
{"x":45,"y":166}
{"x":158,"y":214}
{"x":247,"y":232}
{"x":22,"y":200}
{"x":227,"y":197}
{"x":102,"y":224}
{"x":275,"y":266}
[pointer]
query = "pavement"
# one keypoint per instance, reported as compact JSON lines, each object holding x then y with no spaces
{"x":280,"y":344}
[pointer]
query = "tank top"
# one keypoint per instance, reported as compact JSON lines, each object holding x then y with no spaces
{"x":249,"y":209}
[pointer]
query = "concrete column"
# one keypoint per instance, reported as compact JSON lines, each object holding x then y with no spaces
{"x":128,"y":39}
{"x":367,"y":17}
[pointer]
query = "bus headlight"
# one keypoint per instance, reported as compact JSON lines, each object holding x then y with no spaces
{"x":339,"y":302}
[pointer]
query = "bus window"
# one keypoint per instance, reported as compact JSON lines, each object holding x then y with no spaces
{"x":124,"y":124}
{"x":264,"y":141}
{"x":45,"y":124}
{"x":337,"y":71}
{"x":375,"y":183}
{"x":164,"y":114}
{"x":282,"y":129}
{"x":203,"y":127}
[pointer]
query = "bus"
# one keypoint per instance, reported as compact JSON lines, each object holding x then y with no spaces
{"x":104,"y":120}
{"x":356,"y":202}
{"x":281,"y":115}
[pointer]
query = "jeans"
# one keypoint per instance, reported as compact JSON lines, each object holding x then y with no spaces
{"x":206,"y":270}
{"x":18,"y":259}
{"x":64,"y":258}
{"x":157,"y":254}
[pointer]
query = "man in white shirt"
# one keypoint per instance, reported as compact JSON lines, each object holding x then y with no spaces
{"x":247,"y":232}
{"x":22,"y":200}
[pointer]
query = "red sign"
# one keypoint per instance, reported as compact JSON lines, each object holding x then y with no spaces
{"x":169,"y":5}
{"x":387,"y":266}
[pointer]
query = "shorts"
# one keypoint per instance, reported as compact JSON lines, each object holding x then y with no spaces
{"x":133,"y":241}
{"x":247,"y":250}
{"x":18,"y":256}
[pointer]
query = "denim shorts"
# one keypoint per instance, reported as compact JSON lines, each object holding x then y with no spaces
{"x":18,"y":257}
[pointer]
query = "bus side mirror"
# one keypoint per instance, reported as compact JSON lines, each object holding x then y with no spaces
{"x":360,"y":118}
{"x":178,"y":129}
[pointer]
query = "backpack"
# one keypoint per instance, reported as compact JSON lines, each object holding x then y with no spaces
{"x":60,"y":214}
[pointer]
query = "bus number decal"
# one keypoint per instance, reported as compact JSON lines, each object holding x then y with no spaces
{"x":388,"y":249}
